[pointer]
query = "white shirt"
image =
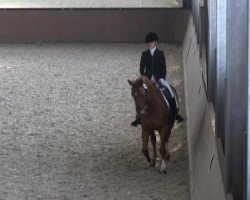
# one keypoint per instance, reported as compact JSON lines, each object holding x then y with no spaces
{"x":152,"y":51}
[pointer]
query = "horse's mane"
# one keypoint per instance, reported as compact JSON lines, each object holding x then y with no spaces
{"x":145,"y":80}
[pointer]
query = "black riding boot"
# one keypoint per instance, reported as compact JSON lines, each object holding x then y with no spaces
{"x":136,"y":122}
{"x":179,"y":118}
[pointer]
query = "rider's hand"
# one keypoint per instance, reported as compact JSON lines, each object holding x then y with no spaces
{"x":161,"y":80}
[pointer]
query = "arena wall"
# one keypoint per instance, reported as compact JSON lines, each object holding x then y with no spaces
{"x":92,"y":25}
{"x":206,"y":176}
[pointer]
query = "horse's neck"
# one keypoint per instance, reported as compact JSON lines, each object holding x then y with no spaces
{"x":156,"y":97}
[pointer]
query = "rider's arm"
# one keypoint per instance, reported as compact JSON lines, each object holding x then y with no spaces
{"x":142,"y":64}
{"x":163,"y":66}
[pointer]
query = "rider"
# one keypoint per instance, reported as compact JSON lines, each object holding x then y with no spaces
{"x":153,"y":65}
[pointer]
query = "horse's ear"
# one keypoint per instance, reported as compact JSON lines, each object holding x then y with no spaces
{"x":130,"y":82}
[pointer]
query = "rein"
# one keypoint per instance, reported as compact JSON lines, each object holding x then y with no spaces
{"x":144,"y":109}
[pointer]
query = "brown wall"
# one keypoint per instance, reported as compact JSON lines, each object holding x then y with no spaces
{"x":92,"y":25}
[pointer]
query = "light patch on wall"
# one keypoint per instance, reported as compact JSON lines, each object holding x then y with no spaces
{"x":41,"y":4}
{"x":10,"y":4}
{"x":91,"y":3}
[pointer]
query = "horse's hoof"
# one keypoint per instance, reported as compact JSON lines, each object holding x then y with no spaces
{"x":163,"y":167}
{"x":152,"y":163}
{"x":163,"y":171}
{"x":158,"y":163}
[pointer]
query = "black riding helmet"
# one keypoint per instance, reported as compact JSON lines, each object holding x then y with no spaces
{"x":151,"y":37}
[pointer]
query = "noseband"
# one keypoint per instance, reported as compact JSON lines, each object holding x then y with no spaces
{"x":144,"y":109}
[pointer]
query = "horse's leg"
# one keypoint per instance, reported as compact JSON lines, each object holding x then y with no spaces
{"x":153,"y":141}
{"x":145,"y":138}
{"x":164,"y":150}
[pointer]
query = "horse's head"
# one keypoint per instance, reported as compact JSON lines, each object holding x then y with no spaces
{"x":139,"y":91}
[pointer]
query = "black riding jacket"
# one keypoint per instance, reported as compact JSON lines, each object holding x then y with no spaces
{"x":153,"y":65}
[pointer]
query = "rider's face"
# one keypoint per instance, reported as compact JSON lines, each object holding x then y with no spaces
{"x":152,"y":45}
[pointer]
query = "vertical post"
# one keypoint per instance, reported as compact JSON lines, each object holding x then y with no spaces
{"x":198,"y":21}
{"x":204,"y":41}
{"x":187,"y":4}
{"x":236,"y":96}
{"x":195,"y":4}
{"x":193,"y":10}
{"x":211,"y":49}
{"x":203,"y":24}
{"x":221,"y":67}
{"x":248,"y":116}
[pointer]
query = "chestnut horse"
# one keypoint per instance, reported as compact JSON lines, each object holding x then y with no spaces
{"x":155,"y":115}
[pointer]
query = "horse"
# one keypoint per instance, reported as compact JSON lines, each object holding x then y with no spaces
{"x":155,"y":115}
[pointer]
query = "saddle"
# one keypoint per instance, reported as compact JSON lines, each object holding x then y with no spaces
{"x":168,"y":95}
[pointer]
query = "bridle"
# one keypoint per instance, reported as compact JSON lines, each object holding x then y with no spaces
{"x":144,"y":108}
